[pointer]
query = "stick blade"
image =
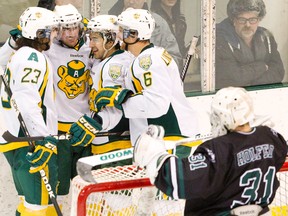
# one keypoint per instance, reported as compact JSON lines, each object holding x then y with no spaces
{"x":84,"y":171}
{"x":8,"y":137}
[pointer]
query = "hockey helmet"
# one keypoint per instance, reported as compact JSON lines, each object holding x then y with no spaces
{"x":105,"y":24}
{"x":68,"y":15}
{"x":35,"y":19}
{"x":137,"y":19}
{"x":102,"y":23}
{"x":230,"y":108}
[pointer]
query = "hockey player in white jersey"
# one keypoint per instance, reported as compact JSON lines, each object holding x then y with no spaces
{"x":154,"y":92}
{"x":112,"y":70}
{"x":30,"y":78}
{"x":69,"y":55}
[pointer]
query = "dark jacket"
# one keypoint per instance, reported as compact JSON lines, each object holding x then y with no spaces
{"x":238,"y":65}
{"x":178,"y":27}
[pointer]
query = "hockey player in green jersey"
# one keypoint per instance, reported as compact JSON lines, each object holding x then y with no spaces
{"x":30,"y":78}
{"x":232,"y":173}
{"x":153,"y":94}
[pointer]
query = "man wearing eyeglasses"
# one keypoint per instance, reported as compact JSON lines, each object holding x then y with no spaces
{"x":246,"y":53}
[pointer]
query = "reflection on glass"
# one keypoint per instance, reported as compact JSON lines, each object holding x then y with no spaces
{"x":163,"y":35}
{"x":246,"y":52}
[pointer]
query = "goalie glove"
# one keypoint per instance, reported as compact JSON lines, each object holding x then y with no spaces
{"x":84,"y":131}
{"x":150,"y":152}
{"x":156,"y":131}
{"x":112,"y":96}
{"x":44,"y":153}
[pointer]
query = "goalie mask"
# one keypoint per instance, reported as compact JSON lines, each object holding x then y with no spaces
{"x":139,"y":21}
{"x":36,"y":22}
{"x":230,"y":108}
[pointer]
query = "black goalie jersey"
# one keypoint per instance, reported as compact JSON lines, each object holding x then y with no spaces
{"x":226,"y":172}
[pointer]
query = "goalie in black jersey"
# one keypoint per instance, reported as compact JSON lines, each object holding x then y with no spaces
{"x":233,"y":172}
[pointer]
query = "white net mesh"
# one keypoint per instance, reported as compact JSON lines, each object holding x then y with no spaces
{"x":279,"y":206}
{"x":142,"y":200}
{"x":125,"y":191}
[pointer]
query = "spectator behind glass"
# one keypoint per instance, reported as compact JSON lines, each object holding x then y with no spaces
{"x":161,"y":36}
{"x":170,"y":10}
{"x":246,"y":54}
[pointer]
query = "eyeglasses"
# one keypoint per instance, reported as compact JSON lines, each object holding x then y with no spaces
{"x":252,"y":20}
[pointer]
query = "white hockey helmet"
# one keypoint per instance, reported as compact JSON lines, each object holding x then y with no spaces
{"x":103,"y":23}
{"x":68,"y":15}
{"x":230,"y":108}
{"x":34,"y":19}
{"x":137,"y":19}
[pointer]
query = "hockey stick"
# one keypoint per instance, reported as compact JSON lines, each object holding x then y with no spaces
{"x":31,"y":144}
{"x":190,"y":53}
{"x":8,"y":137}
{"x":85,"y":164}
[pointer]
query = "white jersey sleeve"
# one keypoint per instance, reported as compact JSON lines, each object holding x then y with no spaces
{"x":159,"y":96}
{"x":5,"y":53}
{"x":31,"y":84}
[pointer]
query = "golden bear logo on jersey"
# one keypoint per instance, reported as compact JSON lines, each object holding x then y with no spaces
{"x":74,"y":78}
{"x":145,"y":62}
{"x":115,"y":71}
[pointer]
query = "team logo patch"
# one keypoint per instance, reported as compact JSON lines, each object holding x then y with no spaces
{"x":74,"y":78}
{"x":112,"y":20}
{"x":115,"y":71}
{"x":145,"y":62}
{"x":136,"y":16}
{"x":38,"y":15}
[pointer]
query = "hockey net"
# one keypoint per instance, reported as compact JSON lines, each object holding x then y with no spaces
{"x":125,"y":191}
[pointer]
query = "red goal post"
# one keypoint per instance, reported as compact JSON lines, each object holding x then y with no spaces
{"x":124,"y":191}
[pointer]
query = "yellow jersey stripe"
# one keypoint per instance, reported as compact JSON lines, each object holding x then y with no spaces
{"x":111,"y":146}
{"x":12,"y":146}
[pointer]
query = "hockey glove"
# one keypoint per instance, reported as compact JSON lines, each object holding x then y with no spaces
{"x":112,"y":96}
{"x":44,"y":153}
{"x":84,"y":131}
{"x":150,"y":152}
{"x":15,"y":35}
